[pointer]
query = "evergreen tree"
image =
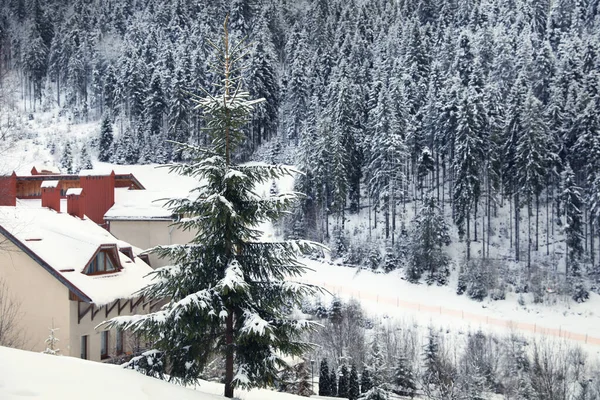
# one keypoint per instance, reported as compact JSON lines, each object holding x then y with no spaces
{"x":52,"y":343}
{"x":227,"y":289}
{"x":333,"y":383}
{"x":85,"y":160}
{"x":105,"y":144}
{"x":378,"y":374}
{"x":324,"y":385}
{"x":343,"y":382}
{"x":404,"y":379}
{"x":365,"y":381}
{"x":425,"y":254}
{"x":66,"y":160}
{"x":573,"y":229}
{"x":353,"y":384}
{"x":468,"y":161}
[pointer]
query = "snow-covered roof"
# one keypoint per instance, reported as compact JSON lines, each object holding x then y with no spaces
{"x":64,"y":244}
{"x":47,"y":169}
{"x":75,"y":191}
{"x":50,"y":184}
{"x":138,"y":205}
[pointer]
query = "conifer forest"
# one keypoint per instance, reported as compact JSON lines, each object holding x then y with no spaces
{"x":455,"y":141}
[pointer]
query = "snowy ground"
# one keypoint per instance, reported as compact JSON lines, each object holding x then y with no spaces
{"x":25,"y":374}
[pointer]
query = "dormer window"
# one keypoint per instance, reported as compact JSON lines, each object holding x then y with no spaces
{"x":128,"y":251}
{"x":103,"y":262}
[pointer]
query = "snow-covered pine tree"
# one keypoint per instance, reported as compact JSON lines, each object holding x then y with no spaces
{"x":227,"y":290}
{"x":85,"y":160}
{"x":105,"y":145}
{"x":404,"y":379}
{"x":468,"y":161}
{"x":378,"y":374}
{"x":572,"y":206}
{"x":343,"y":382}
{"x":66,"y":160}
{"x":52,"y":342}
{"x":365,"y":381}
{"x":324,"y":379}
{"x":425,"y":254}
{"x":532,"y":159}
{"x":333,"y":383}
{"x":353,"y":384}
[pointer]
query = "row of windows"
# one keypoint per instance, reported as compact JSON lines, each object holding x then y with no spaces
{"x":104,"y":345}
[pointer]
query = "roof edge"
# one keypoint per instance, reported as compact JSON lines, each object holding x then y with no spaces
{"x":45,"y":265}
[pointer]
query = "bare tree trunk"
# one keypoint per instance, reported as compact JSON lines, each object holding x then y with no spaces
{"x":537,"y":222}
{"x":517,"y":217}
{"x":547,"y":220}
{"x":529,"y":235}
{"x":468,"y":236}
{"x":229,"y":354}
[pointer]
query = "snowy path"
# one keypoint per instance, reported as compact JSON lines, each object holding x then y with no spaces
{"x":388,"y":294}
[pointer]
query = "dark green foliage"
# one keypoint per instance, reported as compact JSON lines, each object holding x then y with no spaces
{"x":365,"y":381}
{"x":66,"y":160}
{"x":324,"y":386}
{"x":343,"y":382}
{"x":105,"y":144}
{"x":404,"y":380}
{"x":333,"y":383}
{"x":353,"y":384}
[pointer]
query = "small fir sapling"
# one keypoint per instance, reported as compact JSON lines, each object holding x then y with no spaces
{"x":52,"y":343}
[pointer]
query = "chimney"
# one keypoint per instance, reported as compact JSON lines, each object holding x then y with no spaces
{"x":51,"y":195}
{"x":76,"y":202}
{"x":8,"y":190}
{"x":100,"y":195}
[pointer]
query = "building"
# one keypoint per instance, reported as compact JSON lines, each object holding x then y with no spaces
{"x":141,"y":218}
{"x":68,"y":272}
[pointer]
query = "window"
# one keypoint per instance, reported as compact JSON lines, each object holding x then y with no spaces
{"x":84,"y":347}
{"x":127,"y":251}
{"x":102,"y":263}
{"x":104,"y":344}
{"x":119,"y":342}
{"x":145,"y":258}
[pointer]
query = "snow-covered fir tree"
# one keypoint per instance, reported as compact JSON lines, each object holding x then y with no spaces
{"x":105,"y":144}
{"x":85,"y":160}
{"x":378,"y":371}
{"x":353,"y":384}
{"x":324,"y":387}
{"x":66,"y":159}
{"x":52,"y":343}
{"x":428,"y":235}
{"x":404,"y":380}
{"x":227,"y":290}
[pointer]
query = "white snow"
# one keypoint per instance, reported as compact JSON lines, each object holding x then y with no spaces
{"x":74,"y":191}
{"x":25,"y":374}
{"x":50,"y":184}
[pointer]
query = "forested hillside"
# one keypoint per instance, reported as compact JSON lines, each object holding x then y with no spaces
{"x":484,"y":114}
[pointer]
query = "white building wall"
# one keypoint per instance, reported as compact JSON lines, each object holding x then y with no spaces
{"x":147,"y":234}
